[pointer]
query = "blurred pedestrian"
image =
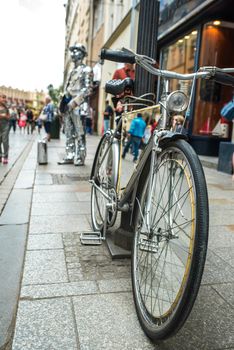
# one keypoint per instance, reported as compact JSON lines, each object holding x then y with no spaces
{"x":147,"y":133}
{"x":38,"y":123}
{"x":177,"y":123}
{"x":127,"y":71}
{"x":30,"y":120}
{"x":4,"y":130}
{"x":13,"y":117}
{"x":136,"y":133}
{"x":108,"y":114}
{"x":48,"y":110}
{"x":22,"y":120}
{"x":89,"y":121}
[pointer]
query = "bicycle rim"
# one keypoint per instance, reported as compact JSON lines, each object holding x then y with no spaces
{"x":105,"y":178}
{"x":164,"y":255}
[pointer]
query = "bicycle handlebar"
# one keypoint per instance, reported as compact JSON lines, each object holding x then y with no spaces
{"x":117,"y":56}
{"x":127,"y":56}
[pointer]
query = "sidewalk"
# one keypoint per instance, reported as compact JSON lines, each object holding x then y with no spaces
{"x":76,"y":297}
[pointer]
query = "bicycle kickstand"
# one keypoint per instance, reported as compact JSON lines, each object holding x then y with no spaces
{"x":95,"y":237}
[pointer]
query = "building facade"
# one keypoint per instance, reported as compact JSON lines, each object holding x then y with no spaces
{"x":195,"y":33}
{"x":22,"y":99}
{"x":191,"y":33}
{"x":97,"y":24}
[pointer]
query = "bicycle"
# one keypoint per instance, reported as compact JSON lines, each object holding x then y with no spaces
{"x":167,"y":200}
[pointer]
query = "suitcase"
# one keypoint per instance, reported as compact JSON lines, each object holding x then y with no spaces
{"x":42,"y":157}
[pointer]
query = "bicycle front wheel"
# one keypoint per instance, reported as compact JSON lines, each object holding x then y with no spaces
{"x":169,"y":254}
{"x":105,"y":176}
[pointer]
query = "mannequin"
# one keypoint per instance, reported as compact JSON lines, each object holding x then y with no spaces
{"x":75,"y":106}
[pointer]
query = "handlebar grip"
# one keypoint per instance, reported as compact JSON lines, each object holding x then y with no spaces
{"x":223,"y":78}
{"x":117,"y":56}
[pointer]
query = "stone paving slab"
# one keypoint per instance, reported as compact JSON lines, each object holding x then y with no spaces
{"x":226,"y":254}
{"x":17,"y":145}
{"x":44,"y":266}
{"x":54,"y":290}
{"x":115,"y":285}
{"x":4,"y":195}
{"x":226,"y":290}
{"x":45,"y":325}
{"x":60,"y":208}
{"x":217,"y":270}
{"x":84,"y":196}
{"x":45,"y":241}
{"x":213,"y":193}
{"x":221,"y":236}
{"x":14,"y":211}
{"x":59,"y":188}
{"x":13,"y":240}
{"x":211,"y":321}
{"x":25,"y":179}
{"x":43,"y":179}
{"x":93,"y":262}
{"x":222,"y":217}
{"x":54,"y":197}
{"x":58,"y":224}
{"x":107,"y":322}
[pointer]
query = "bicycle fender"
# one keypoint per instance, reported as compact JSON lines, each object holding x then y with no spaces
{"x":171,"y":136}
{"x":95,"y":158}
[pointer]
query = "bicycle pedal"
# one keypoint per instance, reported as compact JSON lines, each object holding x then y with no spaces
{"x":148,"y":246}
{"x":91,"y":238}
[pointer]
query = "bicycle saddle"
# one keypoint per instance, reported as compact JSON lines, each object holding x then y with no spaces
{"x":118,"y":86}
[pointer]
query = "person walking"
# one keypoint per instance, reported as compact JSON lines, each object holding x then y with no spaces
{"x":49,"y":111}
{"x":108,"y":114}
{"x":4,"y":130}
{"x":128,"y":71}
{"x":89,"y":121}
{"x":136,"y":133}
{"x":22,"y":120}
{"x":13,"y":118}
{"x":30,"y":120}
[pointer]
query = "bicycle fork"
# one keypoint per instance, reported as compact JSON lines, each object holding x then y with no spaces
{"x":155,"y":150}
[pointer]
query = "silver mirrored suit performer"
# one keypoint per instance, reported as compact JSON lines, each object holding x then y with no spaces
{"x":75,"y":106}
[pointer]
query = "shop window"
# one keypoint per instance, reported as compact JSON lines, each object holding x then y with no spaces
{"x":180,"y":57}
{"x":216,"y":50}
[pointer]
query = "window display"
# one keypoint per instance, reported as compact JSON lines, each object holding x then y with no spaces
{"x":180,"y":57}
{"x":217,"y":42}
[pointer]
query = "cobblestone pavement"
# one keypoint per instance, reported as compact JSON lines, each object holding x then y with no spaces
{"x":76,"y":297}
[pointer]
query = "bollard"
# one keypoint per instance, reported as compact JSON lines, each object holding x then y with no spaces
{"x":42,"y":152}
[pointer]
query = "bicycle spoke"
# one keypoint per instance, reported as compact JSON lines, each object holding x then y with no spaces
{"x":163,"y":253}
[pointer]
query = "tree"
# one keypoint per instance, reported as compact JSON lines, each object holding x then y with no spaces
{"x":55,"y":93}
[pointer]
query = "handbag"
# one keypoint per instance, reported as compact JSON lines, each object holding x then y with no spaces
{"x":22,"y":123}
{"x":227,"y":111}
{"x":42,"y":117}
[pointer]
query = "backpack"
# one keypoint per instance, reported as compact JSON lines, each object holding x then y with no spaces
{"x":227,"y":111}
{"x":63,"y":104}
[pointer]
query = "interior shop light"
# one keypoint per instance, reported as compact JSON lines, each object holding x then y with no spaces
{"x":216,"y":23}
{"x":194,"y":32}
{"x":187,"y":37}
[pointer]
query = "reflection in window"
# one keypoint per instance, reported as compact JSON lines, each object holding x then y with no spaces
{"x":216,"y":50}
{"x":179,"y":57}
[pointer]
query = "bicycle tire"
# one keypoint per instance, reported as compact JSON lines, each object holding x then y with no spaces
{"x":105,"y":176}
{"x":163,"y":311}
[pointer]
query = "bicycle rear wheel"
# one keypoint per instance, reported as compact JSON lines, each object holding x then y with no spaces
{"x":105,"y":176}
{"x":168,"y":258}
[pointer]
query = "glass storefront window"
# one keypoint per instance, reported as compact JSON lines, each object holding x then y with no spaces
{"x":216,"y":50}
{"x":180,"y":57}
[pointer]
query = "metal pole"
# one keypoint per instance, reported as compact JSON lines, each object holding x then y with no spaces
{"x":147,"y":43}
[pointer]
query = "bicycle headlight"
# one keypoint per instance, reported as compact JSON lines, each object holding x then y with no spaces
{"x":177,"y":101}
